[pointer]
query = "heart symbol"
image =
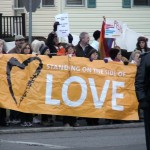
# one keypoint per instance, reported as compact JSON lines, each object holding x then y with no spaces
{"x":14,"y":62}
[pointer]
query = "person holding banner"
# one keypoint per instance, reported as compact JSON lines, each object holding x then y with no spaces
{"x":14,"y":117}
{"x":142,"y":88}
{"x":70,"y":50}
{"x":83,"y":47}
{"x":115,"y":54}
{"x":136,"y":57}
{"x":26,"y":118}
{"x":19,"y":41}
{"x":2,"y":110}
{"x":3,"y":48}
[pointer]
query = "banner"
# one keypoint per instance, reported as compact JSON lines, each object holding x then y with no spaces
{"x":68,"y":86}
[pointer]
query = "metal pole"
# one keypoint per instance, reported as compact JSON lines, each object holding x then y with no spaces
{"x":30,"y":21}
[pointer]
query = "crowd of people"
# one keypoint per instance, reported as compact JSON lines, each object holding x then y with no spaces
{"x":52,"y":47}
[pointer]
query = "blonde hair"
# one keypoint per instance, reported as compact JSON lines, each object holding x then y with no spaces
{"x":134,"y":53}
{"x":4,"y":45}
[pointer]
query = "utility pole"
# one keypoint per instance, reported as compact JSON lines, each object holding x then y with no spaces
{"x":30,"y":21}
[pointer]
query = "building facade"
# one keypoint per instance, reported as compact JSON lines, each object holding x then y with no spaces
{"x":84,"y":15}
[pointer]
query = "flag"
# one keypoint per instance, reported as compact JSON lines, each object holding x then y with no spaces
{"x":105,"y":44}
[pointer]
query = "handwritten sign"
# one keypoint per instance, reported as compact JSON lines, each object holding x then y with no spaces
{"x":62,"y":29}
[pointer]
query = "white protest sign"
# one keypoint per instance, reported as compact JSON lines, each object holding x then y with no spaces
{"x":129,"y":38}
{"x":113,"y":28}
{"x":62,"y":29}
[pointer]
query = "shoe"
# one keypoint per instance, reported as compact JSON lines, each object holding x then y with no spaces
{"x":24,"y":124}
{"x":29,"y":124}
{"x":46,"y":124}
{"x":15,"y":121}
{"x":36,"y":120}
{"x":67,"y":125}
{"x":76,"y":125}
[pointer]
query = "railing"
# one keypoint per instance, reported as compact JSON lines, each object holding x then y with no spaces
{"x":12,"y":25}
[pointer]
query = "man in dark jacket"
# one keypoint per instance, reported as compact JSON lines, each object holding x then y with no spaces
{"x":142,"y":87}
{"x":83,"y":47}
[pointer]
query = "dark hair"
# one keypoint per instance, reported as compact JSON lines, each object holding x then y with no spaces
{"x":50,"y":39}
{"x":141,"y":38}
{"x":113,"y":53}
{"x":24,"y":46}
{"x":91,"y":52}
{"x":96,"y":34}
{"x":68,"y":46}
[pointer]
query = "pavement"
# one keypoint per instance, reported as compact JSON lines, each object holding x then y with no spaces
{"x":59,"y":127}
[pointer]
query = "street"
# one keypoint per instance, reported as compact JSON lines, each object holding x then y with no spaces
{"x":105,"y":139}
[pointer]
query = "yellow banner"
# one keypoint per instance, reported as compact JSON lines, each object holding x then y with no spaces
{"x":68,"y":86}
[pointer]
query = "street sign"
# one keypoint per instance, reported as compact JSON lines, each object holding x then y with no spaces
{"x":35,"y":5}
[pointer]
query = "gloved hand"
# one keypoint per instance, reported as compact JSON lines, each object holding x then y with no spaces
{"x":91,"y":59}
{"x":126,"y":62}
{"x":105,"y":60}
{"x":55,"y":26}
{"x":143,"y":104}
{"x":50,"y":55}
{"x":70,"y":38}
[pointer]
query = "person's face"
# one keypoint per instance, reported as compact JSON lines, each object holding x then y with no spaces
{"x":136,"y":57}
{"x":47,"y":52}
{"x":20,"y":42}
{"x":70,"y":50}
{"x":27,"y":49}
{"x":94,"y":56}
{"x":119,"y":55}
{"x":86,"y":39}
{"x":142,"y":44}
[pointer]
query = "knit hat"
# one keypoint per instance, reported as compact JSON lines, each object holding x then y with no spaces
{"x":91,"y":52}
{"x":43,"y":49}
{"x":142,"y":38}
{"x":113,"y":53}
{"x":19,"y":37}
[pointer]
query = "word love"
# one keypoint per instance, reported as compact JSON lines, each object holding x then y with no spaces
{"x":97,"y":100}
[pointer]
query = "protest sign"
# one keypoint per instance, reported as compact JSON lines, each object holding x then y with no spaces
{"x":113,"y":28}
{"x":62,"y":29}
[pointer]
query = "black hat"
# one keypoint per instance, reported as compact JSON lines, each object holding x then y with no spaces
{"x":142,"y":38}
{"x":113,"y":53}
{"x":43,"y":49}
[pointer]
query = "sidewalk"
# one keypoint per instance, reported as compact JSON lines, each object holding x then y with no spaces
{"x":59,"y":127}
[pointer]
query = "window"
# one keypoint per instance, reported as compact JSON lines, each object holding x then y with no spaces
{"x":142,"y":2}
{"x":71,"y":3}
{"x":18,"y":4}
{"x":44,"y":3}
{"x":47,"y":3}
